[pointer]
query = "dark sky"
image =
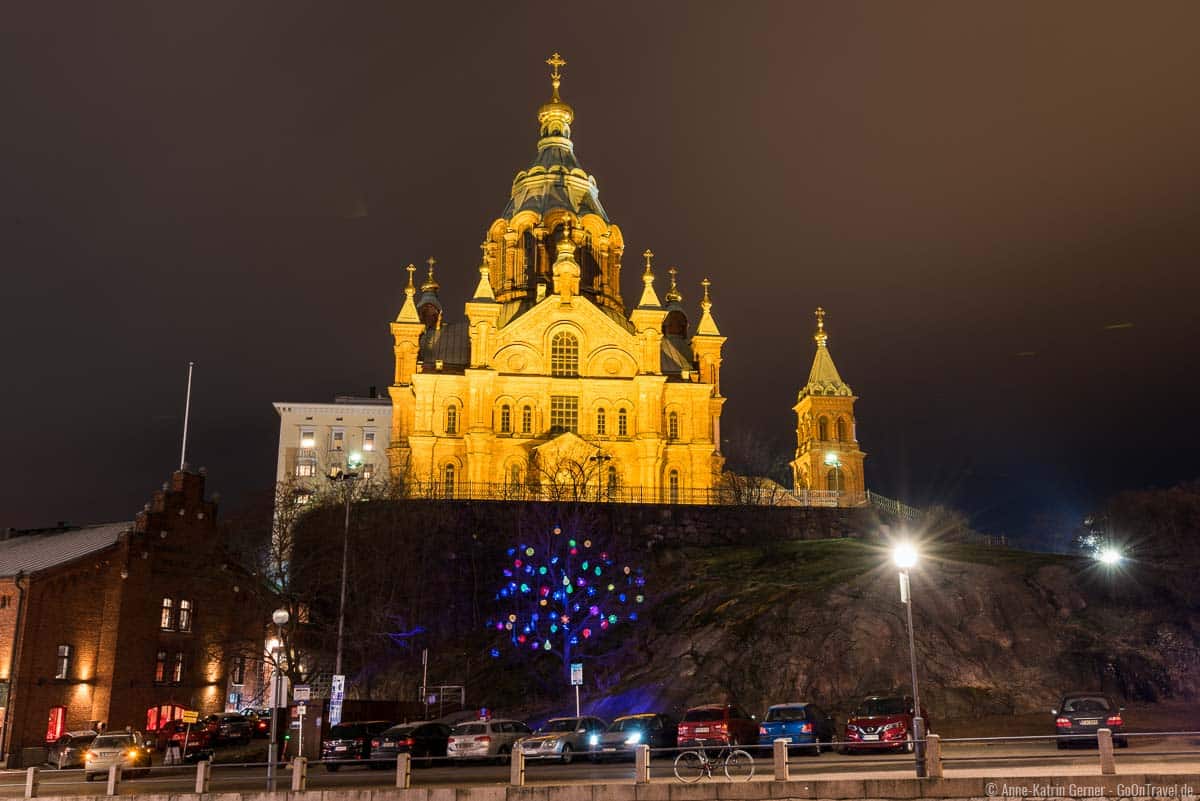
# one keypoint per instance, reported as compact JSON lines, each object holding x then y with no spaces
{"x":957,"y":183}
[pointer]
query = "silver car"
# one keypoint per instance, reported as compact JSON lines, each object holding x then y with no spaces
{"x":126,"y":749}
{"x":485,"y":739}
{"x":562,"y":738}
{"x":68,"y":750}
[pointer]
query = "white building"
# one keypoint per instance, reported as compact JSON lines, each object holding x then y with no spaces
{"x":316,"y":437}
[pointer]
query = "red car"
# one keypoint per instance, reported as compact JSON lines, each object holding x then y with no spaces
{"x":881,"y":722}
{"x":173,"y":731}
{"x":717,"y":724}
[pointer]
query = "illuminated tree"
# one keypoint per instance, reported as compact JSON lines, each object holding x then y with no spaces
{"x":563,"y":592}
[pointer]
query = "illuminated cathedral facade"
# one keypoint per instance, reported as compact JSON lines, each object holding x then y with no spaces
{"x":552,"y":387}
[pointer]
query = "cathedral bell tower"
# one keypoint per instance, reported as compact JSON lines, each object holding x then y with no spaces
{"x":828,"y":466}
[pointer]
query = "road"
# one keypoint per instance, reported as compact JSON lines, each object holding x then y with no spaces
{"x":1151,"y":754}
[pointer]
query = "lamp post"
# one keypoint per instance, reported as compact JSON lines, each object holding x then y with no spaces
{"x":280,"y":617}
{"x":905,"y":557}
{"x":349,"y":474}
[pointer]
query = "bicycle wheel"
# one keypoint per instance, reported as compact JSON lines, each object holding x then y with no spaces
{"x":689,"y":767}
{"x":739,"y":766}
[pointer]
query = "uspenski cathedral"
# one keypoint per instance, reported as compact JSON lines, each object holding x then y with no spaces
{"x":551,"y":386}
{"x":551,"y":383}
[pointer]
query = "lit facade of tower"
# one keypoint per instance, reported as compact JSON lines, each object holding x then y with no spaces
{"x":828,"y":467}
{"x":549,"y":388}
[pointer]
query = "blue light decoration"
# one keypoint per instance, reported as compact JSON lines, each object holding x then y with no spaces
{"x":545,"y":614}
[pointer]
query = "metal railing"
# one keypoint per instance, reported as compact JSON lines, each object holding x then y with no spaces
{"x":684,"y":496}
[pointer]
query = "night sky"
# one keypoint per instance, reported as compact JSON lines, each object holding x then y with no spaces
{"x":996,"y":203}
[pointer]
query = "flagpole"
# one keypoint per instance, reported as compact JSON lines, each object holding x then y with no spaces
{"x":187,"y":408}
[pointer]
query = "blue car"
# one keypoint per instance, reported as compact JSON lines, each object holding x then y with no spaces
{"x":799,"y":724}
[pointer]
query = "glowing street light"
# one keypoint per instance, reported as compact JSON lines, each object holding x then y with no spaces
{"x":905,"y":556}
{"x":280,"y":618}
{"x":1110,"y":556}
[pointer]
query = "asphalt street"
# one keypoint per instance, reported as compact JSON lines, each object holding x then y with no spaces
{"x":1157,"y":754}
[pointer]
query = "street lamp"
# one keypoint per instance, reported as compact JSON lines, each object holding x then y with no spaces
{"x":280,"y":618}
{"x":349,"y":474}
{"x":1110,"y":556}
{"x":905,"y":557}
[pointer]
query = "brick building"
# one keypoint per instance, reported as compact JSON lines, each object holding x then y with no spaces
{"x":123,"y":624}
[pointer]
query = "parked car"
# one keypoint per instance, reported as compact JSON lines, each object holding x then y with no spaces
{"x":881,"y":722}
{"x":623,"y":734}
{"x":425,"y":741}
{"x":261,"y":719}
{"x":485,"y":739}
{"x":128,"y":749}
{"x":229,"y":727}
{"x":800,"y":723}
{"x":68,"y":750}
{"x":1085,"y":714}
{"x":562,"y":738}
{"x":717,"y":724}
{"x":350,"y":742}
{"x":199,"y":737}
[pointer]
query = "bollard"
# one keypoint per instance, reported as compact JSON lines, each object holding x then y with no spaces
{"x":299,"y":774}
{"x":31,"y":782}
{"x":404,"y":771}
{"x":641,"y":764}
{"x":114,"y":779}
{"x":1108,"y":766}
{"x":203,"y":772}
{"x":517,"y":773}
{"x":933,"y":756}
{"x":780,"y":756}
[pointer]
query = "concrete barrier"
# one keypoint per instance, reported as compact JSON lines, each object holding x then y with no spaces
{"x":933,"y":756}
{"x":1108,"y":765}
{"x":779,"y":755}
{"x":203,"y":775}
{"x":31,"y":782}
{"x":404,"y":770}
{"x":299,"y":774}
{"x":114,"y":779}
{"x":641,"y":764}
{"x":516,"y":776}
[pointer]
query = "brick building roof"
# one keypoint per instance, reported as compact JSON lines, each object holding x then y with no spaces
{"x":33,"y":554}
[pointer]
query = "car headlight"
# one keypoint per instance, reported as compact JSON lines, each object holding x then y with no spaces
{"x":594,"y":739}
{"x":634,"y":738}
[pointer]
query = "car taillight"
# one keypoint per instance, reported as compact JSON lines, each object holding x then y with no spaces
{"x":483,"y":738}
{"x":449,"y":740}
{"x":1063,"y":723}
{"x":762,"y":730}
{"x":406,"y":741}
{"x":374,"y":743}
{"x":806,"y":728}
{"x":1114,"y":720}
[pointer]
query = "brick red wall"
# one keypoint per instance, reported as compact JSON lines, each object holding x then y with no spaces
{"x":113,"y":623}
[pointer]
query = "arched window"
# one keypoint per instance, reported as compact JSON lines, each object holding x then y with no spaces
{"x":673,"y":425}
{"x":526,"y":419}
{"x":612,"y":481}
{"x":841,"y":429}
{"x":564,"y":355}
{"x":835,"y":480}
{"x":622,"y":423}
{"x":673,"y":486}
{"x":601,"y":422}
{"x":505,"y":419}
{"x":514,"y":475}
{"x":823,"y":429}
{"x":451,"y":419}
{"x":448,"y":480}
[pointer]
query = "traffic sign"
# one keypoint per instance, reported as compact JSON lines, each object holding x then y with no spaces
{"x":576,"y":673}
{"x":191,"y":717}
{"x":301,"y":692}
{"x":337,"y":690}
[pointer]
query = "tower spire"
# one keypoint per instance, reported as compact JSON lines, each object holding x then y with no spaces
{"x":555,"y":61}
{"x":707,"y":324}
{"x":673,"y":295}
{"x":430,"y":284}
{"x":820,"y":337}
{"x":555,"y":117}
{"x":649,"y":296}
{"x":408,"y":312}
{"x":823,"y":378}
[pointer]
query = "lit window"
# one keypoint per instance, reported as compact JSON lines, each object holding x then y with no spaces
{"x":564,"y":355}
{"x":305,"y":469}
{"x":368,"y":470}
{"x":452,"y":419}
{"x":185,"y":615}
{"x":673,"y":425}
{"x":56,"y":724}
{"x":564,"y":413}
{"x":167,"y":619}
{"x":160,"y":667}
{"x":673,"y":486}
{"x":448,"y":480}
{"x":238,"y":674}
{"x":601,"y":422}
{"x":62,"y":666}
{"x":526,"y":419}
{"x":823,"y":429}
{"x":369,"y":441}
{"x":177,"y":669}
{"x":303,"y":498}
{"x":307,"y":439}
{"x":505,"y":419}
{"x":622,"y":423}
{"x":339,"y":440}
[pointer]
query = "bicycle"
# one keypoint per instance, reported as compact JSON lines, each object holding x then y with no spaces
{"x":691,"y":766}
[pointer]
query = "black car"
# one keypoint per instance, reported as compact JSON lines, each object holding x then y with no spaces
{"x":629,"y":731}
{"x":1085,"y":714}
{"x":425,"y":741}
{"x":350,"y":742}
{"x":229,"y":727}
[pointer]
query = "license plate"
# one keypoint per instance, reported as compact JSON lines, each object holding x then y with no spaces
{"x":701,"y":730}
{"x":870,"y":736}
{"x":388,"y":743}
{"x":609,"y":748}
{"x":340,"y":748}
{"x":1091,"y":722}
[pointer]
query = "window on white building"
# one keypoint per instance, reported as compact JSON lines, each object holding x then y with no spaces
{"x":505,"y":419}
{"x":305,"y":469}
{"x":622,"y":423}
{"x":564,"y":413}
{"x":339,"y":441}
{"x":369,"y":441}
{"x":564,"y":355}
{"x":308,"y":439}
{"x":526,"y":419}
{"x":601,"y":422}
{"x":452,"y":419}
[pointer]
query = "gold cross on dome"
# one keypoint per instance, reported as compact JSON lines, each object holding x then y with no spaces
{"x":555,"y":61}
{"x":820,"y":319}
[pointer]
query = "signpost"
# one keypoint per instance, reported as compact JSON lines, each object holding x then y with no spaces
{"x":301,"y":692}
{"x":189,"y":717}
{"x":337,"y":691}
{"x":576,"y":680}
